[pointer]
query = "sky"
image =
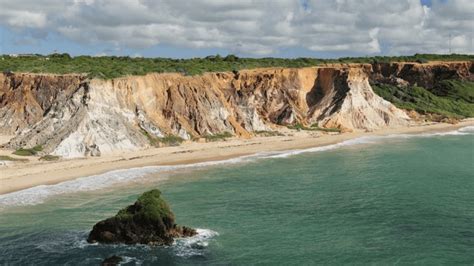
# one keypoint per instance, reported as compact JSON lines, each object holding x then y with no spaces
{"x":250,"y":28}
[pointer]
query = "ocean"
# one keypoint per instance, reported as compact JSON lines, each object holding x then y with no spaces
{"x":399,"y":199}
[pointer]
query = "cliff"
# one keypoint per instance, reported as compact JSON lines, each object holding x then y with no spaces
{"x":424,"y":75}
{"x":25,"y":98}
{"x":73,"y":116}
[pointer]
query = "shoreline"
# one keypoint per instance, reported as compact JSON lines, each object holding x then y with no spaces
{"x":19,"y":176}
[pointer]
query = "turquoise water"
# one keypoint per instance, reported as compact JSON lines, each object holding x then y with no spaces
{"x":403,"y":200}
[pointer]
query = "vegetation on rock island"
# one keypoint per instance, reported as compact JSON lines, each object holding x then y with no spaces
{"x":148,"y":221}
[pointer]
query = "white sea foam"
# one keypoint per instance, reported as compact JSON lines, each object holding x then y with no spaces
{"x":39,"y":194}
{"x":63,"y":241}
{"x":368,"y":140}
{"x":467,"y":129}
{"x":82,"y":243}
{"x":285,"y":154}
{"x":127,"y":260}
{"x":195,"y":245}
{"x":460,"y":132}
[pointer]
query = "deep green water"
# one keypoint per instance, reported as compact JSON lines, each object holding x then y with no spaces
{"x":406,"y":200}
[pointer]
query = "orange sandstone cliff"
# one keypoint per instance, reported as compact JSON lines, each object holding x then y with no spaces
{"x":71,"y":116}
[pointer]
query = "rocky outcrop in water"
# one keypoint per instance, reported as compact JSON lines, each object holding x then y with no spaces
{"x":149,"y":221}
{"x":112,"y":261}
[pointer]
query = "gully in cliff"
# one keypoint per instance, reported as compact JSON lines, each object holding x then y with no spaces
{"x":148,"y":221}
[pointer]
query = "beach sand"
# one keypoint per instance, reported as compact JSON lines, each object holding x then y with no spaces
{"x":16,"y":176}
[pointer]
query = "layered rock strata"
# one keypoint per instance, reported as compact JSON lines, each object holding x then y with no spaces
{"x":72,"y":116}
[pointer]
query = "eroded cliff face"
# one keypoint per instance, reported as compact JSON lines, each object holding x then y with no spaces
{"x":26,"y":98}
{"x":71,"y":116}
{"x":346,"y":101}
{"x":424,"y":75}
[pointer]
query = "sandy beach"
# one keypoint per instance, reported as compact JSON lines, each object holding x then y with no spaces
{"x":16,"y":176}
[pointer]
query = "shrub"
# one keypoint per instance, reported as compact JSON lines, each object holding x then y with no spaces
{"x":154,"y":141}
{"x":231,"y":58}
{"x":38,"y":148}
{"x":313,"y":127}
{"x":25,"y":152}
{"x":218,"y":137}
{"x":316,"y":127}
{"x":421,"y":61}
{"x":9,"y":158}
{"x":60,"y":56}
{"x":298,"y":126}
{"x":267,"y":133}
{"x":28,"y":152}
{"x":169,"y":140}
{"x":49,"y":158}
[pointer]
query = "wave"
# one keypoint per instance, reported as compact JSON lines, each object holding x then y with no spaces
{"x":288,"y":153}
{"x":62,"y":241}
{"x":195,"y":245}
{"x":469,"y":130}
{"x":39,"y":194}
{"x":128,"y":260}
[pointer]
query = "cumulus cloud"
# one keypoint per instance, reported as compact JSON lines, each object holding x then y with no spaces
{"x":260,"y":27}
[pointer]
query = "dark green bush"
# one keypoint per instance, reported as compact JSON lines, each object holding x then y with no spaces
{"x":421,"y":61}
{"x":231,"y":58}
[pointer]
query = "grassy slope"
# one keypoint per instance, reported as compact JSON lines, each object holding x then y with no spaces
{"x":456,"y":90}
{"x":112,"y":67}
{"x":451,"y":98}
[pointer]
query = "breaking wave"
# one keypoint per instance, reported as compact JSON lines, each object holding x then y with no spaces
{"x":195,"y":245}
{"x":370,"y":140}
{"x":39,"y":194}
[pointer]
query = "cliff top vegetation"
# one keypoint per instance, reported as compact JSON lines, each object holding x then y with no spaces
{"x":108,"y":67}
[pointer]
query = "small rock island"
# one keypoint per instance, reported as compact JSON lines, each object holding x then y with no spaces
{"x":148,"y":221}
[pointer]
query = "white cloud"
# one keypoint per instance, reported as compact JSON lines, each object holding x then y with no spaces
{"x":253,"y":26}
